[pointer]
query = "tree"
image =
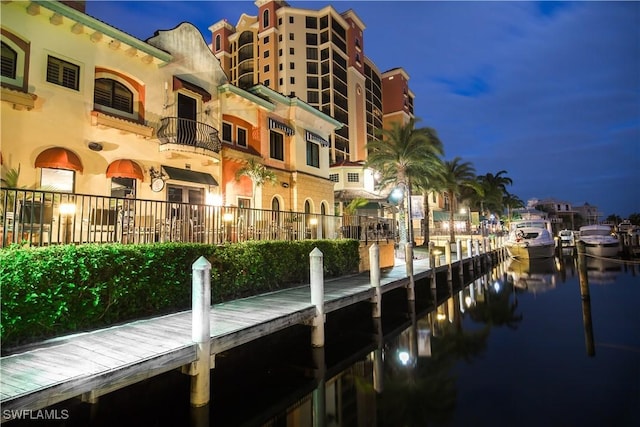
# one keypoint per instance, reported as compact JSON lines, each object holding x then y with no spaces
{"x":458,"y":176}
{"x":495,"y":189}
{"x":258,"y":174}
{"x":511,"y":201}
{"x":401,"y":154}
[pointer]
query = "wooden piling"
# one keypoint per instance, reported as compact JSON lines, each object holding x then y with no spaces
{"x":411,"y":293}
{"x":200,"y":331}
{"x":586,"y":299}
{"x":470,"y":255}
{"x":374,"y":275}
{"x":317,"y":296}
{"x":447,"y":260}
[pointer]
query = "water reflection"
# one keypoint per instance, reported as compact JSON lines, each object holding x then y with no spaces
{"x":533,"y":275}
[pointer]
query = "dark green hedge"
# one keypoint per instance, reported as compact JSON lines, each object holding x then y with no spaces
{"x":59,"y":289}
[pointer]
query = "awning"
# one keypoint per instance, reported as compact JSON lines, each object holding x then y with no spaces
{"x":275,"y":124}
{"x":189,"y":175}
{"x":445,"y":215}
{"x":125,"y":168}
{"x":58,"y":158}
{"x":314,"y":137}
{"x":179,"y":83}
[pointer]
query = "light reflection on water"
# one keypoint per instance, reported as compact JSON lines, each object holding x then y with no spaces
{"x":522,"y":345}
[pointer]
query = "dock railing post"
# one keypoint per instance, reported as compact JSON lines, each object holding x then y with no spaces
{"x":459,"y":252}
{"x":586,"y":298}
{"x":200,"y":331}
{"x":374,"y":275}
{"x":470,"y":254}
{"x":317,"y":296}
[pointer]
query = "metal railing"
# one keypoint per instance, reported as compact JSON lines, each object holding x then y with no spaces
{"x":190,"y":133}
{"x":40,"y":218}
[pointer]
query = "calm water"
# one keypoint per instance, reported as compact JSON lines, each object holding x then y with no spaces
{"x":520,"y":346}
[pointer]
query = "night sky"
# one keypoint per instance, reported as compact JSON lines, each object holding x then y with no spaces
{"x":548,"y":91}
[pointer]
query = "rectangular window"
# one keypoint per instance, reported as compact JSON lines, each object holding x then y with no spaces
{"x":311,"y":22}
{"x":334,"y":177}
{"x":9,"y":61}
{"x":266,"y":68}
{"x":242,"y":137}
{"x":292,"y":80}
{"x":353,"y":177}
{"x":265,"y":40}
{"x":292,"y":51}
{"x":123,"y":187}
{"x":63,"y":73}
{"x":60,"y":179}
{"x":226,"y":132}
{"x":313,"y":154}
{"x":276,"y":145}
{"x":292,"y":65}
{"x":290,"y":36}
{"x":291,"y":20}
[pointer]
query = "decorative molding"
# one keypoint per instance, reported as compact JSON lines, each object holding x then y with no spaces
{"x":114,"y":44}
{"x":56,"y":19}
{"x":77,"y":28}
{"x":96,"y":36}
{"x":33,"y":9}
{"x":20,"y":100}
{"x":99,"y":118}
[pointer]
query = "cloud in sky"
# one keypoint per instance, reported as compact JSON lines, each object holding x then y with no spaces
{"x":549,"y":91}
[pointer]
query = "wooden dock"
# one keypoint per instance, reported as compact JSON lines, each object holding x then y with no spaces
{"x":91,"y":364}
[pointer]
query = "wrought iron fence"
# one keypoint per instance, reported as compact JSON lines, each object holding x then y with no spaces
{"x":41,"y":218}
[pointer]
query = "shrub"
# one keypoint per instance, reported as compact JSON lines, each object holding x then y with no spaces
{"x":59,"y":289}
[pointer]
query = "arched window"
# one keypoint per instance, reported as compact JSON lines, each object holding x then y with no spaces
{"x":275,"y":207}
{"x":217,"y":48}
{"x":265,"y":19}
{"x":113,"y":94}
{"x":307,"y":207}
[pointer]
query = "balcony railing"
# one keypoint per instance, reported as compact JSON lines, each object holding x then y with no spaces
{"x":41,"y":218}
{"x":189,"y":133}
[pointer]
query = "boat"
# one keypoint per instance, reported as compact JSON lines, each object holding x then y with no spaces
{"x":567,"y":238}
{"x":599,"y":241}
{"x":530,"y":238}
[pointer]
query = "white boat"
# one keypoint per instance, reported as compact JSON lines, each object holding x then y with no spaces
{"x":598,"y":240}
{"x":567,"y":238}
{"x":530,"y":238}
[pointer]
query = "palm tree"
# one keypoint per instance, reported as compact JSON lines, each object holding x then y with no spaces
{"x":401,"y":154}
{"x":495,"y":189}
{"x":458,"y":178}
{"x":511,"y":201}
{"x":428,"y":183}
{"x":259,"y":175}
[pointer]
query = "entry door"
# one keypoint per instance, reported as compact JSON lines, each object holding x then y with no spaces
{"x":187,"y":109}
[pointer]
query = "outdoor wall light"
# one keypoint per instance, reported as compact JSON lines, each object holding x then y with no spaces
{"x":313,"y":221}
{"x":67,"y":209}
{"x":285,"y":185}
{"x":227,"y":217}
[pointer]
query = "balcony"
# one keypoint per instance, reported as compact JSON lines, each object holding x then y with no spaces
{"x":180,"y":134}
{"x":44,"y":218}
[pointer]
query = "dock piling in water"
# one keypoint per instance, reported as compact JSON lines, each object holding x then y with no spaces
{"x":374,"y":276}
{"x":200,"y":331}
{"x":317,"y":296}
